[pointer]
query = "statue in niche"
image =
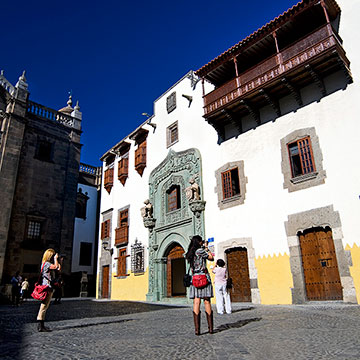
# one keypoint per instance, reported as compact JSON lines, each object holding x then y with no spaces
{"x":147,"y":210}
{"x":193,"y":191}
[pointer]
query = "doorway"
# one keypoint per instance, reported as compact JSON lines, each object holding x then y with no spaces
{"x":105,"y":282}
{"x":238,"y":270}
{"x":319,"y":262}
{"x":175,"y":271}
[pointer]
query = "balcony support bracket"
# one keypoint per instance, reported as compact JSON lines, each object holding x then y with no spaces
{"x":254,"y":113}
{"x":317,"y":79}
{"x":219,"y":129}
{"x":293,"y":90}
{"x":273,"y":103}
{"x":344,"y":68}
{"x":230,"y":117}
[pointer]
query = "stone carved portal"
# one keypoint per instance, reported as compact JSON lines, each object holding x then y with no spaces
{"x":172,"y":228}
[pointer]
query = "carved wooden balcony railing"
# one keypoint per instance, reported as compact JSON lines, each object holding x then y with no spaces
{"x":140,"y":158}
{"x":122,"y":235}
{"x":108,"y":179}
{"x":316,"y":48}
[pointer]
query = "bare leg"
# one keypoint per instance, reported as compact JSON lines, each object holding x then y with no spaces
{"x":196,"y":307}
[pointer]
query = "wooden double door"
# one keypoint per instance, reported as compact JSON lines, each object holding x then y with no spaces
{"x":321,"y":273}
{"x":238,"y":270}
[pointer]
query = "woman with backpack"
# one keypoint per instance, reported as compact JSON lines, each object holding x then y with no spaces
{"x":201,"y":287}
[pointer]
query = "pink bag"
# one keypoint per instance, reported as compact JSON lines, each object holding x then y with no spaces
{"x":40,"y":292}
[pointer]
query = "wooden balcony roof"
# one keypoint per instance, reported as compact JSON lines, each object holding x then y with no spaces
{"x":299,"y":20}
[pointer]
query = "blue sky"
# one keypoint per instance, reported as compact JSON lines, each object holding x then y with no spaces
{"x":117,"y":57}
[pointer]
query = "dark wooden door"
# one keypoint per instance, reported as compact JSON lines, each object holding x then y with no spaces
{"x":321,"y":273}
{"x":105,"y":282}
{"x":175,"y":271}
{"x":238,"y":270}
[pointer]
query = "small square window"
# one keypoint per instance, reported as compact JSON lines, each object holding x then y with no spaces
{"x":172,"y":134}
{"x":301,"y":157}
{"x":34,"y":230}
{"x":230,"y":181}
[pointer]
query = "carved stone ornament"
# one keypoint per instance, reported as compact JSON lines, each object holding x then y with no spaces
{"x":197,"y":207}
{"x":147,"y":210}
{"x":149,"y":223}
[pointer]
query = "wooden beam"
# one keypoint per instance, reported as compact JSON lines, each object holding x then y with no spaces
{"x":317,"y":79}
{"x":293,"y":90}
{"x":274,"y":104}
{"x":344,"y":68}
{"x":254,"y":113}
{"x":237,"y":123}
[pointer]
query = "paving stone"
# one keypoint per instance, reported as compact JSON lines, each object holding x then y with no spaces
{"x":87,"y":329}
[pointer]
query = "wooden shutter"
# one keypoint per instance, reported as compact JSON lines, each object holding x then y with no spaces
{"x":173,"y":199}
{"x":122,"y":263}
{"x":226,"y":184}
{"x":306,"y":155}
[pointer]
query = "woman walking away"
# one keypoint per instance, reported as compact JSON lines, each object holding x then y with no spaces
{"x":201,"y":287}
{"x":48,"y":264}
{"x":222,"y":294}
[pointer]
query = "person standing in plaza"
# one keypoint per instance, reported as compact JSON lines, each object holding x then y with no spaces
{"x":197,"y":255}
{"x":48,"y":265}
{"x":221,"y":292}
{"x":15,"y":288}
{"x":24,"y":289}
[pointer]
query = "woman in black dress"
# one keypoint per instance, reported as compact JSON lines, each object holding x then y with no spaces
{"x":197,"y":255}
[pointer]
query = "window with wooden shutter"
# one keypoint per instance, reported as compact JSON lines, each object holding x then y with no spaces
{"x":301,"y":157}
{"x":121,"y":263}
{"x":140,"y":157}
{"x":109,"y":179}
{"x":173,"y":198}
{"x":122,"y":232}
{"x":123,"y":169}
{"x":230,"y":183}
{"x":172,"y":135}
{"x":105,"y":229}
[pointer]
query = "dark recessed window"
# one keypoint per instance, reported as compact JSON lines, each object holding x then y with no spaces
{"x":44,"y":150}
{"x":85,"y":254}
{"x":173,"y":198}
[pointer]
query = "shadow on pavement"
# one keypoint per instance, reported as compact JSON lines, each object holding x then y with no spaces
{"x":235,"y":325}
{"x":244,"y":309}
{"x":91,"y":324}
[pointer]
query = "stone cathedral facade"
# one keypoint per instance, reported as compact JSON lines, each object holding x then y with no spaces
{"x":39,"y":167}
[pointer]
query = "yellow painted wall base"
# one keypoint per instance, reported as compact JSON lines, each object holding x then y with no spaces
{"x":132,"y":288}
{"x":355,"y":269}
{"x":274,"y":279}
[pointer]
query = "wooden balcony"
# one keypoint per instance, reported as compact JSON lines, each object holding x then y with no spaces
{"x":123,"y":170}
{"x":140,"y":158}
{"x":109,"y":179}
{"x":307,"y":61}
{"x":122,"y":235}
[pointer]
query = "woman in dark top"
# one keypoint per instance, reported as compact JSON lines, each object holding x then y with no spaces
{"x":47,"y":275}
{"x":197,"y":255}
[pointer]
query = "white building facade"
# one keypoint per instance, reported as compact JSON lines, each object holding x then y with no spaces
{"x":273,"y":160}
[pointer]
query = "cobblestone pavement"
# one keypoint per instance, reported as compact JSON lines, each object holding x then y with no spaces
{"x":87,"y":329}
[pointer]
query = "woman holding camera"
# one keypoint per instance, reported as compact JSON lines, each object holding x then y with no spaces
{"x":48,"y":265}
{"x":201,"y":287}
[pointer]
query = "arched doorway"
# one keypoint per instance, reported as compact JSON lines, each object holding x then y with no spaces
{"x":175,"y":271}
{"x":238,"y":270}
{"x":321,"y":273}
